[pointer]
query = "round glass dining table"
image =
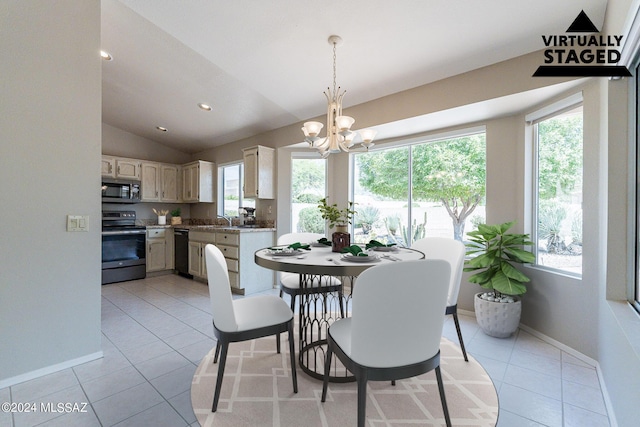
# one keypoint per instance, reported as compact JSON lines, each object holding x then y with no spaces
{"x":317,"y":311}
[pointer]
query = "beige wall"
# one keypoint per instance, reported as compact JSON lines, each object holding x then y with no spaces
{"x":50,"y":126}
{"x":117,"y":142}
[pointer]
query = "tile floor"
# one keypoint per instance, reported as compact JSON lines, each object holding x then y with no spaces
{"x":156,"y":330}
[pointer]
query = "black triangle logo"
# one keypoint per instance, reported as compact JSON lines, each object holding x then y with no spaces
{"x":582,"y":24}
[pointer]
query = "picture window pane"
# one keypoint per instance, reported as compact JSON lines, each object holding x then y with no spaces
{"x":428,"y":189}
{"x":558,"y":192}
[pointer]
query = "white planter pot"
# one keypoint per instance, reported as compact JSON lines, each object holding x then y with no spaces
{"x":497,"y":319}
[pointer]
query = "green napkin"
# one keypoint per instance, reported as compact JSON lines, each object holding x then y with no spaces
{"x":376,"y":244}
{"x":324,"y":241}
{"x":299,"y":245}
{"x":354,"y":250}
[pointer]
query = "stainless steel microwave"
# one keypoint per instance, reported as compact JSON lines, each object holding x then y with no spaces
{"x":120,"y":191}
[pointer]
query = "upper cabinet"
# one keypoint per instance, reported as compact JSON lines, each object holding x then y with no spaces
{"x":159,"y":182}
{"x":259,"y":166}
{"x":197,"y":182}
{"x":150,"y":182}
{"x":108,"y":168}
{"x":165,"y":182}
{"x":114,"y":167}
{"x":169,"y":181}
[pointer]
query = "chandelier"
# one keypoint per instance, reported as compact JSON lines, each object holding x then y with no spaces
{"x":339,"y":137}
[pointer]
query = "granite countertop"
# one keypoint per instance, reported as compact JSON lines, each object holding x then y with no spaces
{"x":215,"y":228}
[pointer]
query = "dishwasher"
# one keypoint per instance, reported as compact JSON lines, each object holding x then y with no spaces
{"x":182,"y":251}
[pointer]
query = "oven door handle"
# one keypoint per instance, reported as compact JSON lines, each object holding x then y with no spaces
{"x":122,"y":232}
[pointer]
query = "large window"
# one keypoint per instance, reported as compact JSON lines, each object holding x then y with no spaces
{"x":231,"y":181}
{"x":557,"y":188}
{"x":308,"y":186}
{"x":433,"y":188}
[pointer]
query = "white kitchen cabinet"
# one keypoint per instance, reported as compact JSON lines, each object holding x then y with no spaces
{"x":169,"y":183}
{"x":116,"y":167}
{"x":160,"y":251}
{"x":128,"y":168}
{"x":108,"y":168}
{"x":159,"y":182}
{"x":198,"y":182}
{"x":197,"y":266}
{"x":245,"y":276}
{"x":259,"y":167}
{"x":238,"y":248}
{"x":150,"y":182}
{"x":197,"y":242}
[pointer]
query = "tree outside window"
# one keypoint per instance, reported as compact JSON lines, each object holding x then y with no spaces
{"x":428,"y":189}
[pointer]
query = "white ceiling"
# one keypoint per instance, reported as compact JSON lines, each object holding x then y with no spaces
{"x":264,"y":64}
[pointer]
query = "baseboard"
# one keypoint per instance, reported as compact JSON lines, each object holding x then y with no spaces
{"x":8,"y":382}
{"x":561,"y":346}
{"x":607,"y":401}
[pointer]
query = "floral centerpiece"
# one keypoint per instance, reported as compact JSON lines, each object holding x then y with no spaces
{"x":340,"y":219}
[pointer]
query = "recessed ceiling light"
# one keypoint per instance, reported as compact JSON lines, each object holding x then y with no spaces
{"x":105,"y":55}
{"x":204,"y":107}
{"x":161,"y":129}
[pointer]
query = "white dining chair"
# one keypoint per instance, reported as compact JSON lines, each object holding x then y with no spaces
{"x":395,"y":328}
{"x":290,"y":282}
{"x":243,"y":319}
{"x":452,"y":251}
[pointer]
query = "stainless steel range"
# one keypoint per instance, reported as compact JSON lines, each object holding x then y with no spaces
{"x":123,"y":247}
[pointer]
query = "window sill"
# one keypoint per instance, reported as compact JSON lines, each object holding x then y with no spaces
{"x":568,"y":275}
{"x":629,"y":322}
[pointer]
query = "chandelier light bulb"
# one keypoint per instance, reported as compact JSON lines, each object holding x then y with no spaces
{"x":312,"y":129}
{"x":367,"y":136}
{"x":343,"y":123}
{"x":348,"y":139}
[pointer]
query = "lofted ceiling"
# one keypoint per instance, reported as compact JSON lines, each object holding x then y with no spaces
{"x":262,"y":65}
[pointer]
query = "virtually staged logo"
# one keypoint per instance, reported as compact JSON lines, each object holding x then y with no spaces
{"x":582,"y":55}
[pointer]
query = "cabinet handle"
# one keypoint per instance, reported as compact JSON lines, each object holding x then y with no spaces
{"x":118,"y":170}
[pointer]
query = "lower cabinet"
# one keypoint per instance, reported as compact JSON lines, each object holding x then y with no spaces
{"x":197,"y":241}
{"x":159,"y":252}
{"x":238,"y":247}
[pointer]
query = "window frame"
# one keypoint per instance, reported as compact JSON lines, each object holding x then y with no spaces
{"x":306,"y":155}
{"x":532,"y":120}
{"x":220,"y":198}
{"x":634,"y":87}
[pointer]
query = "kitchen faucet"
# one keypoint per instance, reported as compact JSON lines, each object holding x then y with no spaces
{"x":227,"y":218}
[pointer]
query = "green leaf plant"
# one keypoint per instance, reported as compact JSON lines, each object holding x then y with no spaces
{"x":335,"y":216}
{"x":492,"y":252}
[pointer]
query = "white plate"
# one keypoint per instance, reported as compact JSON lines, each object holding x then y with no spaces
{"x":319,"y":245}
{"x":384,"y":248}
{"x":283,"y":253}
{"x":352,"y":258}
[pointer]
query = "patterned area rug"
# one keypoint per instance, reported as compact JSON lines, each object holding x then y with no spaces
{"x":257,"y":391}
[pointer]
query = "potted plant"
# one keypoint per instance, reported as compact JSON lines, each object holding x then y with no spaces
{"x":175,"y":217}
{"x":498,"y":311}
{"x":340,"y":219}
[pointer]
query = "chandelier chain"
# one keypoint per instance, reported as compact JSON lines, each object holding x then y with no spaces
{"x":334,"y":72}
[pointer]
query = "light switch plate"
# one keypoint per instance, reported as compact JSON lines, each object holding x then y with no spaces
{"x":77,"y":222}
